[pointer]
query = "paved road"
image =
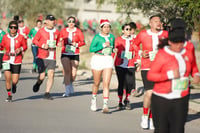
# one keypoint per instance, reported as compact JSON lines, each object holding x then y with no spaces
{"x":29,"y":113}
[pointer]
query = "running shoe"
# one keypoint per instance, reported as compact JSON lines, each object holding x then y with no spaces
{"x":105,"y":109}
{"x":47,"y":96}
{"x":120,"y":106}
{"x":9,"y":99}
{"x":93,"y":106}
{"x":36,"y":87}
{"x":151,"y":126}
{"x":127,"y":104}
{"x":71,"y":89}
{"x":144,"y":122}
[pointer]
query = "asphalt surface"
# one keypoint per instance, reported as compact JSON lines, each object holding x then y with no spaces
{"x":30,"y":113}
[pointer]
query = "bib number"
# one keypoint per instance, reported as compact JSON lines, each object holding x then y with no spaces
{"x":70,"y":49}
{"x":127,"y":55}
{"x":180,"y":84}
{"x":6,"y":66}
{"x":152,"y":55}
{"x":107,"y":51}
{"x":51,"y":43}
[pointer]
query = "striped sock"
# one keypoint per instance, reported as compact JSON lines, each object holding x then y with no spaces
{"x":9,"y":92}
{"x":120,"y":98}
{"x":94,"y":96}
{"x":145,"y":111}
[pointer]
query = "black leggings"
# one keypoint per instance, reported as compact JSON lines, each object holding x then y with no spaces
{"x":126,"y":77}
{"x":169,"y":116}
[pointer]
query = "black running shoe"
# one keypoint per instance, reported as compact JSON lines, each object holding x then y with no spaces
{"x":120,"y":106}
{"x":47,"y":96}
{"x":36,"y":87}
{"x":14,"y":89}
{"x":127,"y":104}
{"x":9,"y":99}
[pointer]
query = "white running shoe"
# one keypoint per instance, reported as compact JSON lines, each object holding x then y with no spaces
{"x":151,"y":126}
{"x":105,"y":109}
{"x":71,"y":88}
{"x":144,"y":122}
{"x":93,"y":106}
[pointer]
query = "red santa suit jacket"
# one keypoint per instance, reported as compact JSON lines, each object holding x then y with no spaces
{"x":24,"y":31}
{"x":149,"y":41}
{"x":71,"y":36}
{"x":10,"y":44}
{"x":161,"y":72}
{"x":46,"y":36}
{"x":125,"y":45}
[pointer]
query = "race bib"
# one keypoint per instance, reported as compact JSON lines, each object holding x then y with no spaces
{"x":70,"y":49}
{"x":180,"y":84}
{"x":127,"y":55}
{"x":51,"y":43}
{"x":152,"y":55}
{"x":6,"y":66}
{"x":107,"y":51}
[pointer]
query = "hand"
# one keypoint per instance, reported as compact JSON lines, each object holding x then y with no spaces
{"x":138,"y":67}
{"x":145,"y":54}
{"x":18,"y":50}
{"x":196,"y":79}
{"x":107,"y":44}
{"x":73,"y":44}
{"x":176,"y":73}
{"x":46,"y":46}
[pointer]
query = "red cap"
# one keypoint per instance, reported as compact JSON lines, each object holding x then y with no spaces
{"x":104,"y":21}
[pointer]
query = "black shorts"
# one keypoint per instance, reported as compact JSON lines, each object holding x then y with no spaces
{"x":148,"y":85}
{"x":14,"y":69}
{"x":71,"y":57}
{"x":1,"y":58}
{"x":44,"y":64}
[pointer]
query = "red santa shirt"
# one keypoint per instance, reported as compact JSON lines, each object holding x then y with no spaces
{"x":10,"y":44}
{"x":161,"y":72}
{"x":68,"y":37}
{"x":46,"y":36}
{"x":149,"y":41}
{"x":126,"y":52}
{"x":24,"y":31}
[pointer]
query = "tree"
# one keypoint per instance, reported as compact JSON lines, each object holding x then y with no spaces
{"x":32,"y":9}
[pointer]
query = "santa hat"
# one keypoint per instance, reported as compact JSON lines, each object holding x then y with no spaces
{"x":104,"y":21}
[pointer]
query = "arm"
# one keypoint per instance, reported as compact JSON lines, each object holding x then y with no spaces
{"x":95,"y":45}
{"x":156,"y":74}
{"x":81,"y":39}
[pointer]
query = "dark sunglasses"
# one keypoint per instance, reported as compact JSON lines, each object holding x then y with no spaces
{"x":71,"y":21}
{"x":13,"y":27}
{"x":128,"y":29}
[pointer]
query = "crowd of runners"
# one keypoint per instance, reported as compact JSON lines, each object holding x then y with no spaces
{"x":164,"y":57}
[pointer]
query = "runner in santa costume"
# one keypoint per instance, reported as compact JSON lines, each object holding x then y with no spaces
{"x":2,"y":33}
{"x":125,"y":65}
{"x":34,"y":47}
{"x":15,"y":46}
{"x":46,"y":39}
{"x":23,"y":30}
{"x":170,"y":71}
{"x":72,"y":39}
{"x":149,"y":40}
{"x":102,"y":63}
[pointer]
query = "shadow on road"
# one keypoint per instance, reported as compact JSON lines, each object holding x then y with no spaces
{"x":193,"y":116}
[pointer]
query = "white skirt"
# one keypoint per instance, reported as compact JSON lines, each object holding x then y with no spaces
{"x":100,"y":62}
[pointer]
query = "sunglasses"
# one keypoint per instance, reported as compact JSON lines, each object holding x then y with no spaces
{"x":71,"y":21}
{"x":13,"y":27}
{"x":128,"y":29}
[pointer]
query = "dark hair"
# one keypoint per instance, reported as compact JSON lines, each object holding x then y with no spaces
{"x":16,"y":18}
{"x":39,"y":21}
{"x":124,"y":25}
{"x":132,"y":25}
{"x":72,"y":18}
{"x":177,"y":35}
{"x":13,"y":22}
{"x":103,"y":25}
{"x":163,"y":42}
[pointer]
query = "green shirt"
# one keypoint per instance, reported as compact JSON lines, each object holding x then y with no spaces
{"x":33,"y":32}
{"x":99,"y":40}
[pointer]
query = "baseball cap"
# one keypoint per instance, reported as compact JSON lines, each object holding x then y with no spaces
{"x":50,"y":17}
